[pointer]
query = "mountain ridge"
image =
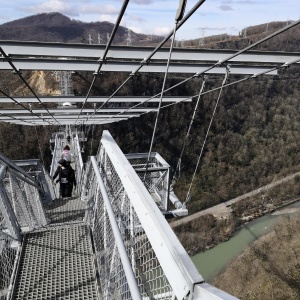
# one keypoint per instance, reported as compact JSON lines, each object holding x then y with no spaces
{"x":56,"y":27}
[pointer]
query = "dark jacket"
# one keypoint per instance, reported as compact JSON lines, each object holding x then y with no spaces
{"x":65,"y":175}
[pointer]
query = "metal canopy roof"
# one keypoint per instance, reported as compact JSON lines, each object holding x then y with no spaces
{"x":19,"y":56}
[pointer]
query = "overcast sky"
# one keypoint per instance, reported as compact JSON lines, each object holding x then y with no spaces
{"x":157,"y":16}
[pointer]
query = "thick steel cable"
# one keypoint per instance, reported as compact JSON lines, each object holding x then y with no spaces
{"x":160,"y":102}
{"x":188,"y":196}
{"x":178,"y":17}
{"x":8,"y":59}
{"x":18,"y":103}
{"x":147,"y":60}
{"x":16,"y":118}
{"x":38,"y":140}
{"x":217,"y":64}
{"x":287,"y":64}
{"x":175,"y":178}
{"x":103,"y":58}
{"x":206,"y":135}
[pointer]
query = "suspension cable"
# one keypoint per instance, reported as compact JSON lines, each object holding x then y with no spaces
{"x":216,"y":65}
{"x":23,"y":106}
{"x":188,"y":196}
{"x":178,"y":166}
{"x":179,"y":16}
{"x":146,"y":61}
{"x":103,"y":58}
{"x":16,"y":71}
{"x":93,"y":128}
{"x":38,"y":140}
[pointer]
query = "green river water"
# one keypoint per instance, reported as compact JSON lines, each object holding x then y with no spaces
{"x":212,"y":261}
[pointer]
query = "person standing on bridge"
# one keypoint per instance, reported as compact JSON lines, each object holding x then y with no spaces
{"x":66,"y":154}
{"x":66,"y":177}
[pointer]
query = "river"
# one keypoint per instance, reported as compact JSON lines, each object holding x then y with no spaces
{"x":212,"y":261}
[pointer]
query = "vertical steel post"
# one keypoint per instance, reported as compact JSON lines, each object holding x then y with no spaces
{"x":7,"y":211}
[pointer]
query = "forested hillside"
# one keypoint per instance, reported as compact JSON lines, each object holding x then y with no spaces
{"x":275,"y":266}
{"x":254,"y":137}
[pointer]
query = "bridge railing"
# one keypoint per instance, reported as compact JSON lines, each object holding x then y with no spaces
{"x":155,"y":174}
{"x":138,"y":255}
{"x":78,"y":162}
{"x":21,"y":211}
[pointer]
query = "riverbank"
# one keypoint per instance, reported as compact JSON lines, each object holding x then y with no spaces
{"x":209,"y":230}
{"x":213,"y":261}
{"x":269,"y":267}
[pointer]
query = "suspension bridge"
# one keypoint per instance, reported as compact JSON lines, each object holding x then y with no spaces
{"x":110,"y":240}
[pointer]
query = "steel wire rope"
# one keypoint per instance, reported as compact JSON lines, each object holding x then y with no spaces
{"x":93,"y":128}
{"x":178,"y":166}
{"x":16,"y":118}
{"x":188,"y":196}
{"x":216,"y":64}
{"x":18,"y":103}
{"x":178,"y":17}
{"x":16,"y":71}
{"x":287,"y":64}
{"x":147,"y":60}
{"x":40,"y":149}
{"x":103,"y":58}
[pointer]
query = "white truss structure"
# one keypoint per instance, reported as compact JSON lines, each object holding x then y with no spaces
{"x":31,"y":56}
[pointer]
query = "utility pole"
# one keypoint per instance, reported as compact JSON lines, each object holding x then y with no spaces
{"x":129,"y":37}
{"x":201,"y":41}
{"x":99,"y":39}
{"x":90,"y":39}
{"x":65,"y":83}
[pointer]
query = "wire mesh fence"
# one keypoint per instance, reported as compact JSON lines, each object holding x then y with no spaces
{"x":151,"y":280}
{"x":155,"y":174}
{"x":21,"y":211}
{"x":8,"y":258}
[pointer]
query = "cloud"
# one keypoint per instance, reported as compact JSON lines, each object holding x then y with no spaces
{"x":142,"y":2}
{"x":103,"y":9}
{"x":136,"y":18}
{"x":107,"y":18}
{"x":225,"y":7}
{"x":53,"y":6}
{"x":217,"y":28}
{"x":240,"y":2}
{"x":161,"y":30}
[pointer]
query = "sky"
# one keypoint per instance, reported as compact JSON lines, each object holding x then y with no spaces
{"x":157,"y":16}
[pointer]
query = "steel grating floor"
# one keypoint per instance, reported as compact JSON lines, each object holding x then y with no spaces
{"x":66,"y":210}
{"x":57,"y":264}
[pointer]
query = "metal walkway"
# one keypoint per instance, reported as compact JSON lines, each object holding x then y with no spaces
{"x":112,"y":242}
{"x":57,"y":261}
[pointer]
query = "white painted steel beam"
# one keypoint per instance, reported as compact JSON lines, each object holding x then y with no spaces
{"x":94,"y":99}
{"x":30,"y":117}
{"x":128,"y":67}
{"x":41,"y":49}
{"x":66,"y":122}
{"x":75,"y":111}
{"x":175,"y":262}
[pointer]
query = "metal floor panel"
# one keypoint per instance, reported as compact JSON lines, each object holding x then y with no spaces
{"x":57,"y":264}
{"x":66,"y":210}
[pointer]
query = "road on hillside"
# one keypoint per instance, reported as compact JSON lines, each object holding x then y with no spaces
{"x":224,"y":209}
